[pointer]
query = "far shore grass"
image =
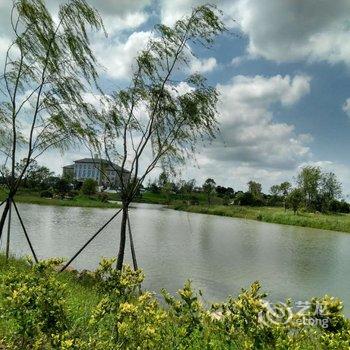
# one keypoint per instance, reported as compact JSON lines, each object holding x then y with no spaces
{"x":276,"y":215}
{"x":78,"y":201}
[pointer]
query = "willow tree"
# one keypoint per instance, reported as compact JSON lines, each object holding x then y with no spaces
{"x":165,"y":111}
{"x":48,"y":68}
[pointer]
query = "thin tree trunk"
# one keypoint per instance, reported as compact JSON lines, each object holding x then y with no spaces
{"x":3,"y":217}
{"x":121,"y":252}
{"x":8,"y":229}
{"x":132,"y":247}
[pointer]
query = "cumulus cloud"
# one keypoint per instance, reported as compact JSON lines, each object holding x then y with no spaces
{"x":117,"y":56}
{"x":295,"y":30}
{"x":251,"y":143}
{"x":204,"y":65}
{"x":248,"y":129}
{"x":287,"y":30}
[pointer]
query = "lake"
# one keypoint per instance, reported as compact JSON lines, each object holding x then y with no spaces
{"x":220,"y":255}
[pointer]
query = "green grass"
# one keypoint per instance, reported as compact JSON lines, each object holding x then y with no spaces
{"x":31,"y":197}
{"x":334,"y":222}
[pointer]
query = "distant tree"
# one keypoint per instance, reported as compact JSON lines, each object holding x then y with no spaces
{"x":37,"y":177}
{"x":62,"y":186}
{"x":209,"y":189}
{"x":230,"y":192}
{"x":285,"y":188}
{"x":153,"y":188}
{"x":89,"y":187}
{"x":166,"y":190}
{"x":275,"y":190}
{"x":221,"y":191}
{"x":309,"y":180}
{"x":163,"y":179}
{"x":295,"y":199}
{"x":255,"y":189}
{"x":330,"y":190}
{"x":186,"y":187}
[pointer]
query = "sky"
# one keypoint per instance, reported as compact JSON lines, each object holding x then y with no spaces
{"x":282,"y":71}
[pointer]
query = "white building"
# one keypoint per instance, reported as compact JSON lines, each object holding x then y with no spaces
{"x":104,"y":172}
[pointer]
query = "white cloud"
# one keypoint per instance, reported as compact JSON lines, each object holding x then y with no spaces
{"x":116,"y":24}
{"x":252,"y":145}
{"x":296,"y":30}
{"x":287,"y":30}
{"x":119,"y":7}
{"x":346,"y":107}
{"x":117,"y":57}
{"x":204,"y":65}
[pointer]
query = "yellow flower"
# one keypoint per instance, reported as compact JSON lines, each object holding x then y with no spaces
{"x":127,"y":308}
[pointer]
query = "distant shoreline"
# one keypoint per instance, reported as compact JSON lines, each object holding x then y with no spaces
{"x":276,"y":215}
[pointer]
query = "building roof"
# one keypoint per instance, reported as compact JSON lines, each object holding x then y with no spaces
{"x":100,"y":161}
{"x":71,"y":166}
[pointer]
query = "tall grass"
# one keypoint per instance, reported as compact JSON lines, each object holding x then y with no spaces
{"x":334,"y":222}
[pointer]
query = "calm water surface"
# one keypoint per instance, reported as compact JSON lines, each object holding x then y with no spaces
{"x":220,"y":255}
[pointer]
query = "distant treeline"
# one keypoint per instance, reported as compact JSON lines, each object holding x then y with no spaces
{"x":314,"y":190}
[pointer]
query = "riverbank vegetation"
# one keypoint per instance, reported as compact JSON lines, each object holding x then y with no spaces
{"x":276,"y":215}
{"x":78,"y":200}
{"x":106,"y":309}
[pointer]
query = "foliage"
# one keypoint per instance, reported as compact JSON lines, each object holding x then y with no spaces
{"x":62,"y":186}
{"x":209,"y":189}
{"x":319,"y":188}
{"x":48,"y":69}
{"x":89,"y":187}
{"x":34,"y":300}
{"x":295,"y":199}
{"x":157,"y":113}
{"x":46,"y":194}
{"x":124,"y":317}
{"x":254,"y":188}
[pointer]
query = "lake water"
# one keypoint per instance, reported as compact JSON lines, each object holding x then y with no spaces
{"x":220,"y":255}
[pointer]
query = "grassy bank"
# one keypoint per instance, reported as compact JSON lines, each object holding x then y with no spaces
{"x":334,"y":222}
{"x":32,"y":197}
{"x":106,"y":310}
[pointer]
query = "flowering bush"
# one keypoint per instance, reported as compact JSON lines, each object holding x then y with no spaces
{"x":34,"y":301}
{"x":35,"y":314}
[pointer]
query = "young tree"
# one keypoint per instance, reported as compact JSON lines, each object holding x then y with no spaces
{"x":89,"y":187}
{"x":209,"y":189}
{"x":330,"y":190}
{"x":157,"y":120}
{"x":295,"y":199}
{"x":308,"y":181}
{"x":45,"y":73}
{"x":255,"y":189}
{"x":285,"y":188}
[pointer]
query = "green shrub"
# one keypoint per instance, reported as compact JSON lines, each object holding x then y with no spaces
{"x":89,"y":187}
{"x":46,"y":194}
{"x":33,"y":302}
{"x":34,"y":310}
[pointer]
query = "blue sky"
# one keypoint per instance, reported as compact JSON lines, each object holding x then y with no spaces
{"x":283,"y":76}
